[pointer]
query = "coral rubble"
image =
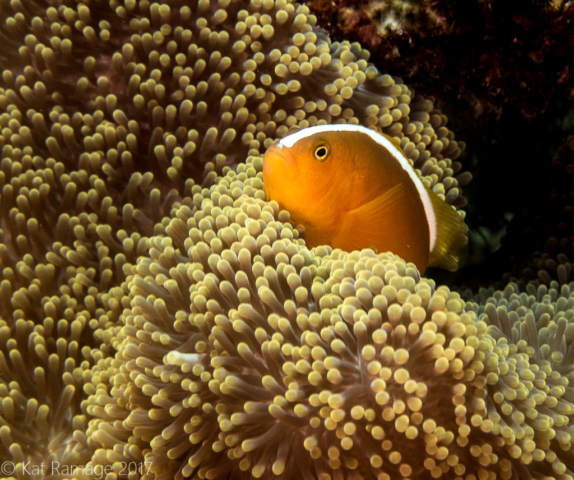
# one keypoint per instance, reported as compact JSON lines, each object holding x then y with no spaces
{"x":493,"y":53}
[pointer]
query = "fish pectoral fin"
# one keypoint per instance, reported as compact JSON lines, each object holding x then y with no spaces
{"x":451,"y":247}
{"x":364,"y":225}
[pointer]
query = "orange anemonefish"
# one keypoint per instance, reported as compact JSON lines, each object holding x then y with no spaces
{"x":353,"y":188}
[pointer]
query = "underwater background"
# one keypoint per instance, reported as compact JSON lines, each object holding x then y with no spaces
{"x":160,"y":319}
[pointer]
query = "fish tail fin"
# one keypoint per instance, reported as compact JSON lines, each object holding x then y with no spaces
{"x":451,"y":246}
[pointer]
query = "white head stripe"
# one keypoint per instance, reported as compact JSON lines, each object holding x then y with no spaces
{"x":292,"y":139}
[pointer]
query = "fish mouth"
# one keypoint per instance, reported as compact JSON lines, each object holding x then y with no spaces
{"x":277,"y":152}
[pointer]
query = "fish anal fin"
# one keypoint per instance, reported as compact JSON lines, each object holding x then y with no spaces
{"x":365,"y":224}
{"x":451,"y":246}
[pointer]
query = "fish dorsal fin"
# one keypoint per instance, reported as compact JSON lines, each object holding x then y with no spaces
{"x":451,"y":245}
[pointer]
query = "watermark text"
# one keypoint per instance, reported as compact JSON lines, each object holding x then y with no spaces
{"x":57,"y":468}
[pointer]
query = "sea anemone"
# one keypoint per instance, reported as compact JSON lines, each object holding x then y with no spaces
{"x":245,"y":354}
{"x":102,"y":131}
{"x":43,"y":368}
{"x":112,"y":114}
{"x":175,"y":85}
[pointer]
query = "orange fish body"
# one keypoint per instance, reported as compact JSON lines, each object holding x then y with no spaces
{"x":353,"y":188}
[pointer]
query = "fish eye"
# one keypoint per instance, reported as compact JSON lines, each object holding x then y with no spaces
{"x":321,"y":153}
